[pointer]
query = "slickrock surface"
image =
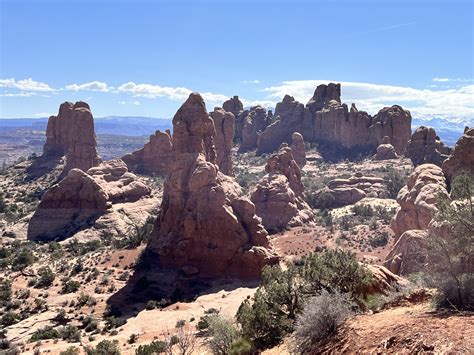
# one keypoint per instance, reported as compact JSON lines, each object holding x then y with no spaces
{"x":418,"y":199}
{"x":425,"y":147}
{"x":326,"y":120}
{"x":298,"y":149}
{"x":462,"y":157}
{"x":81,"y":198}
{"x":253,"y":125}
{"x":154,"y":158}
{"x":385,"y":151}
{"x":278,"y":196}
{"x":205,"y":227}
{"x":71,"y":133}
{"x":224,"y":123}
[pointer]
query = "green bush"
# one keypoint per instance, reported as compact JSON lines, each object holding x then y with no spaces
{"x":321,"y":199}
{"x":5,"y":290}
{"x":45,"y":333}
{"x":46,"y":277}
{"x":241,"y":347}
{"x":394,"y":181}
{"x":8,"y":318}
{"x":72,"y":350}
{"x":22,"y":259}
{"x":70,"y":286}
{"x":223,"y":333}
{"x":155,"y":347}
{"x":105,"y":347}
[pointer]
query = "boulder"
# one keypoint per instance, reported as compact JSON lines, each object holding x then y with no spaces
{"x":71,"y":133}
{"x":462,"y":157}
{"x":418,"y":199}
{"x":224,"y":123}
{"x":206,"y":228}
{"x":254,"y":124}
{"x":385,"y":150}
{"x":383,"y":281}
{"x":409,"y":253}
{"x":298,"y":149}
{"x":154,"y":158}
{"x":278,"y":196}
{"x":425,"y":147}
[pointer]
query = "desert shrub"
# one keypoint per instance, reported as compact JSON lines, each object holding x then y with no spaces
{"x":112,"y":322}
{"x":105,"y":347}
{"x":451,"y":248}
{"x":3,"y":204}
{"x":363,"y":210}
{"x":72,"y":350}
{"x":379,"y":240}
{"x":136,"y":235}
{"x":85,"y":299}
{"x":44,"y":333}
{"x":8,"y":318}
{"x":394,"y":181}
{"x":69,"y":333}
{"x":320,"y":199}
{"x":241,"y":346}
{"x":155,"y":347}
{"x":5,"y":290}
{"x":70,"y":286}
{"x":337,"y":270}
{"x":223,"y":333}
{"x":321,"y":317}
{"x":22,"y":259}
{"x":45,"y":277}
{"x":151,"y":304}
{"x":90,"y":324}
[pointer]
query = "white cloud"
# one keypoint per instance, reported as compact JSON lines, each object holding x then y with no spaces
{"x":122,"y":102}
{"x":20,"y":94}
{"x":251,"y":82}
{"x":136,"y":103}
{"x":43,"y":114}
{"x":92,"y":86}
{"x":460,"y":80}
{"x":453,"y":104}
{"x":25,"y":84}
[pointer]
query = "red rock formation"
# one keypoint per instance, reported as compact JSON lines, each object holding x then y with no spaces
{"x":298,"y":149}
{"x":254,"y":124}
{"x":235,"y":106}
{"x":418,"y":199}
{"x":154,"y":158}
{"x":409,"y":253}
{"x":80,"y":198}
{"x":425,"y":147}
{"x":278,"y":196}
{"x":462,"y":157}
{"x":205,"y":228}
{"x":71,"y":133}
{"x":385,"y":151}
{"x":224,"y":123}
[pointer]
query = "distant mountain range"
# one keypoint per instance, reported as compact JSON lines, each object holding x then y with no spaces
{"x":448,"y":131}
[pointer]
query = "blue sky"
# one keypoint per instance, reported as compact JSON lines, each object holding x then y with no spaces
{"x":143,"y":57}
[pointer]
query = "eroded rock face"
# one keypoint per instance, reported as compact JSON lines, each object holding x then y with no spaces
{"x":254,"y":124}
{"x":328,"y":121}
{"x":385,"y":151}
{"x":418,"y":199}
{"x":425,"y":147}
{"x":349,"y":191}
{"x":235,"y":106}
{"x":224,"y":123}
{"x":81,"y":198}
{"x":298,"y":149}
{"x":462,"y":157}
{"x":154,"y":158}
{"x":278,"y":196}
{"x":205,"y":227}
{"x":71,"y":133}
{"x":408,"y":255}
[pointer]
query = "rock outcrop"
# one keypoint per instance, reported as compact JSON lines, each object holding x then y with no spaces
{"x":77,"y":201}
{"x":408,"y":255}
{"x":462,"y":157}
{"x":425,"y":147}
{"x":278,"y":196}
{"x":298,"y":149}
{"x":253,"y":125}
{"x":327,"y":121}
{"x":71,"y":133}
{"x":383,"y":281}
{"x":205,"y":227}
{"x":235,"y":106}
{"x":418,"y":199}
{"x":385,"y":151}
{"x":224,"y":123}
{"x":154,"y":158}
{"x":349,"y":191}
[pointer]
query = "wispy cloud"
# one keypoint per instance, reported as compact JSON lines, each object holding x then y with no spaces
{"x":459,"y":80}
{"x":25,"y":84}
{"x":136,"y":103}
{"x":392,"y":27}
{"x":92,"y":86}
{"x":43,"y":114}
{"x":251,"y":81}
{"x":19,"y":94}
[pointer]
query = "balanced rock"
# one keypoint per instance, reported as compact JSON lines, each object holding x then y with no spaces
{"x":425,"y":147}
{"x":224,"y":123}
{"x":154,"y":158}
{"x":462,"y":157}
{"x":418,"y":199}
{"x":278,"y":196}
{"x":254,"y":124}
{"x":77,"y":201}
{"x":298,"y":149}
{"x":71,"y":133}
{"x":385,"y":150}
{"x":205,"y":227}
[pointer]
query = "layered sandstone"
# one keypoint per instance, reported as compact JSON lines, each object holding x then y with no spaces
{"x":77,"y":201}
{"x":235,"y":106}
{"x":425,"y":147}
{"x":298,"y":149}
{"x":418,"y":199}
{"x":71,"y":133}
{"x":462,"y":157}
{"x":224,"y":123}
{"x":154,"y":158}
{"x":205,"y":227}
{"x":253,"y":125}
{"x":278,"y":196}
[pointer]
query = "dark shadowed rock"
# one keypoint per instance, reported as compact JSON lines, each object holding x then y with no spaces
{"x":255,"y":123}
{"x":224,"y":123}
{"x":425,"y":147}
{"x":298,"y":149}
